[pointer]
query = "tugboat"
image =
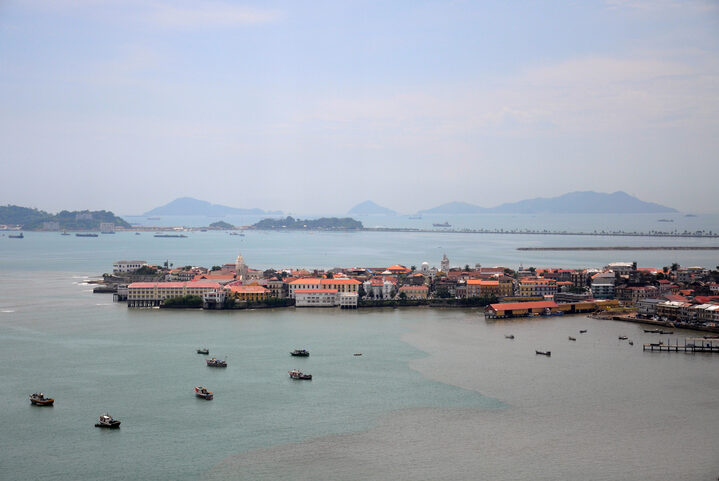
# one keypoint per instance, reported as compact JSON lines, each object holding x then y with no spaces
{"x":544,"y":353}
{"x":214,"y":362}
{"x":201,"y":391}
{"x":300,"y":353}
{"x":204,"y":351}
{"x":39,"y":399}
{"x":106,"y":421}
{"x":297,"y":374}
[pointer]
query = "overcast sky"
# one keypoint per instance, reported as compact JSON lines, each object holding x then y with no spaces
{"x":312,"y":107}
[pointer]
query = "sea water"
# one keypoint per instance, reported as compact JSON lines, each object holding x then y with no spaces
{"x":436,"y":394}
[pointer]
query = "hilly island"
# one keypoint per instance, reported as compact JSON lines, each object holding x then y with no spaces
{"x":34,"y":219}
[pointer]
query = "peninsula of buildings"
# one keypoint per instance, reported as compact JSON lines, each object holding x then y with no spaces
{"x":677,"y":296}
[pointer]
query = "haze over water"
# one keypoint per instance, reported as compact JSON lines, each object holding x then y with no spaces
{"x":437,"y":394}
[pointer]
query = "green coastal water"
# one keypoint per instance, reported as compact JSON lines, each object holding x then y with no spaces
{"x":437,"y":394}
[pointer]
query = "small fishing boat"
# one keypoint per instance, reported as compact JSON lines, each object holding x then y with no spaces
{"x":297,"y":374}
{"x":582,"y":331}
{"x":544,"y":353}
{"x":214,"y":362}
{"x":572,"y":338}
{"x":201,"y":391}
{"x":622,"y":338}
{"x":357,"y":354}
{"x":631,"y":343}
{"x":666,"y":332}
{"x":511,"y":336}
{"x":653,"y":331}
{"x":300,"y":353}
{"x":39,"y":399}
{"x":204,"y":351}
{"x":106,"y":421}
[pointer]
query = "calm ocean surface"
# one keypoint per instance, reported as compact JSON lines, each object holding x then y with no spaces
{"x":437,"y":394}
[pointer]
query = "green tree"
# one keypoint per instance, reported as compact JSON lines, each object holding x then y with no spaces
{"x":442,"y":292}
{"x":215,"y":268}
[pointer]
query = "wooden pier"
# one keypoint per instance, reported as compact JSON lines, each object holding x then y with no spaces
{"x":695,"y":344}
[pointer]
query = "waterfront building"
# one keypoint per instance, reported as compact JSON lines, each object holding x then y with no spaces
{"x":214,"y":299}
{"x":379,"y":287}
{"x":340,"y":285}
{"x":415,"y":292}
{"x":315,"y":297}
{"x":252,"y":293}
{"x":120,"y":267}
{"x":648,"y":306}
{"x":148,"y":294}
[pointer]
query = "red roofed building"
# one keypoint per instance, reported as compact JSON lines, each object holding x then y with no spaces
{"x":251,"y":293}
{"x":414,"y":292}
{"x":519,"y":309}
{"x":486,"y":288}
{"x":149,"y":294}
{"x":314,"y":283}
{"x":399,"y":269}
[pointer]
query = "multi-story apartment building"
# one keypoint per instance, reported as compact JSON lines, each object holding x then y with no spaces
{"x":148,"y":294}
{"x":537,"y":287}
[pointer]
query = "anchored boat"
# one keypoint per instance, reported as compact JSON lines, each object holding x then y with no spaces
{"x":214,"y":362}
{"x":201,"y":391}
{"x":297,"y":374}
{"x":204,"y":351}
{"x":39,"y":399}
{"x":107,"y":421}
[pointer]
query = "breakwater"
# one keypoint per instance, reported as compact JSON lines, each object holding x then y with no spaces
{"x":622,"y":248}
{"x":689,"y":235}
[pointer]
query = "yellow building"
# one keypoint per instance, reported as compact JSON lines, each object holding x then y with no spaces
{"x":484,"y":288}
{"x":252,"y":293}
{"x":414,"y":292}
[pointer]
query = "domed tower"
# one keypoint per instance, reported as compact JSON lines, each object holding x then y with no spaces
{"x":444,"y":265}
{"x":240,"y":267}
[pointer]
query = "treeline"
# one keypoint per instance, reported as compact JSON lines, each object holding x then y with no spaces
{"x":324,"y":223}
{"x":33,"y":219}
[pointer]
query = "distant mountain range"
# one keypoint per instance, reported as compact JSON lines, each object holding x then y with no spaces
{"x":190,"y":206}
{"x":368,"y":208}
{"x":587,"y":202}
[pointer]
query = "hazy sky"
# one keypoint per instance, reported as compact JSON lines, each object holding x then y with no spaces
{"x":312,"y":107}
